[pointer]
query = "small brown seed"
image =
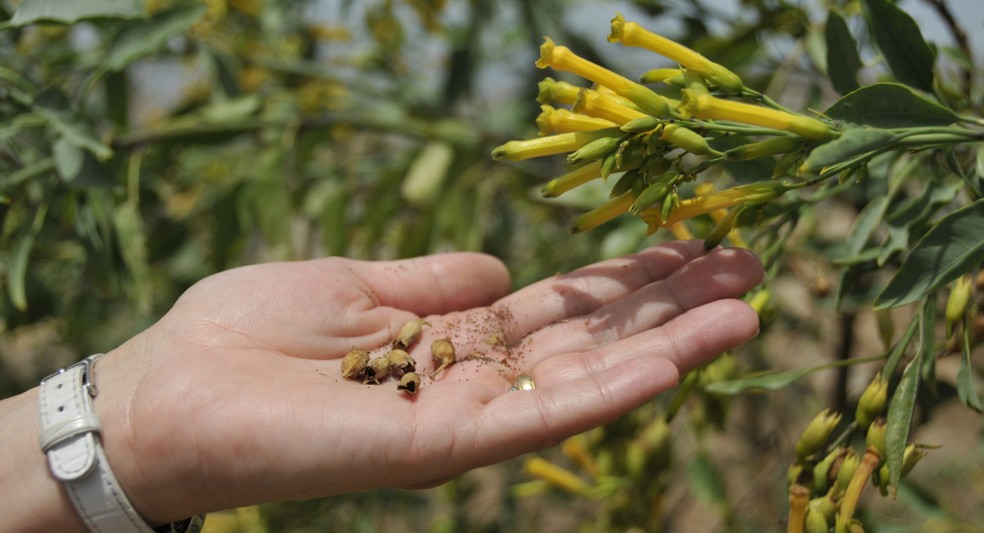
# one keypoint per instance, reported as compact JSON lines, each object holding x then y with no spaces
{"x":443,"y":352}
{"x":354,"y":363}
{"x":377,"y":370}
{"x":409,"y":334}
{"x":401,"y":360}
{"x":410,"y":383}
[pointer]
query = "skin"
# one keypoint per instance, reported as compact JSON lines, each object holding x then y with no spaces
{"x":235,"y":396}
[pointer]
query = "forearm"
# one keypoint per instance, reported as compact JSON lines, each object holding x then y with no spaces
{"x":30,"y":498}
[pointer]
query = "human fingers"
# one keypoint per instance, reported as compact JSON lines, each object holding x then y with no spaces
{"x":578,"y":391}
{"x":435,"y":284}
{"x":723,"y":273}
{"x":588,"y":288}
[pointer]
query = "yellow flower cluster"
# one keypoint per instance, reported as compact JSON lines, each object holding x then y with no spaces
{"x":618,"y":126}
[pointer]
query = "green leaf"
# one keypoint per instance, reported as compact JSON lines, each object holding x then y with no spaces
{"x":55,"y":108}
{"x":133,"y":247}
{"x":889,"y":105}
{"x":911,"y":214}
{"x":966,"y":387}
{"x":762,"y":382}
{"x":899,"y":418}
{"x":895,"y":356}
{"x":17,"y":271}
{"x":908,"y":56}
{"x":147,"y":36}
{"x":843,"y":60}
{"x":861,"y":231}
{"x":951,"y":248}
{"x":60,"y":11}
{"x":852,"y":143}
{"x":705,"y":480}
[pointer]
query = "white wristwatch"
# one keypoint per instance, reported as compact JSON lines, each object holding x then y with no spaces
{"x":69,"y":429}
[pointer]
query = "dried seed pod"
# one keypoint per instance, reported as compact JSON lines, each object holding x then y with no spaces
{"x":401,"y":360}
{"x":354,"y":363}
{"x":443,"y":352}
{"x":377,"y":370}
{"x":409,"y":334}
{"x":409,"y":383}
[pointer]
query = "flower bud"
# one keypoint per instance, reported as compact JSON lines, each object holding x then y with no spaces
{"x":705,"y":106}
{"x":815,"y":436}
{"x":594,"y":150}
{"x":824,"y":472}
{"x":549,"y":144}
{"x":772,"y":146}
{"x":876,"y":436}
{"x":848,"y":465}
{"x":687,"y":139}
{"x":575,"y":178}
{"x":816,"y":522}
{"x":872,"y":402}
{"x":956,"y":304}
{"x":552,"y":120}
{"x":541,"y":468}
{"x":552,"y":91}
{"x":669,"y":76}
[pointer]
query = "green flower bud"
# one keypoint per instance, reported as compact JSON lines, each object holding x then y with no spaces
{"x":594,"y":150}
{"x":845,"y":472}
{"x":956,"y":304}
{"x":824,"y":472}
{"x":872,"y":402}
{"x":771,"y":146}
{"x":876,"y":436}
{"x":815,"y":521}
{"x":815,"y":436}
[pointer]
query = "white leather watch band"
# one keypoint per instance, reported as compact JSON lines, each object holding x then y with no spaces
{"x":69,"y":431}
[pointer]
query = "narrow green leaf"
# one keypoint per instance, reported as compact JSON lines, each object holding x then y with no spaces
{"x":966,"y":386}
{"x":763,"y":382}
{"x":852,"y":143}
{"x":843,"y":60}
{"x":145,"y":37}
{"x":908,"y":56}
{"x":895,"y":356}
{"x":951,"y":248}
{"x":861,"y":231}
{"x":55,"y":108}
{"x":59,"y":11}
{"x":927,"y":343}
{"x":17,"y":272}
{"x":889,"y":105}
{"x":705,"y":481}
{"x":899,"y":419}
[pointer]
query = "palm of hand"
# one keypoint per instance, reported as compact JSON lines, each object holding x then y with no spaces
{"x":256,"y":350}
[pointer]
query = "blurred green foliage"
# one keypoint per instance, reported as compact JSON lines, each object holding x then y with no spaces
{"x":145,"y":145}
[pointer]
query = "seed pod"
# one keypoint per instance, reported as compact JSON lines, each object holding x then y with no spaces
{"x":377,"y":370}
{"x":872,"y":402}
{"x":443,"y":352}
{"x":409,"y":334}
{"x":401,"y":360}
{"x":815,"y":436}
{"x":409,"y":383}
{"x":354,"y":363}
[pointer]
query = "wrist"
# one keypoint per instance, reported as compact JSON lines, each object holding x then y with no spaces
{"x":32,"y":499}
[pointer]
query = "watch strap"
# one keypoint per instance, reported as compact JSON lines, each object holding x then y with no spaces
{"x":69,"y":437}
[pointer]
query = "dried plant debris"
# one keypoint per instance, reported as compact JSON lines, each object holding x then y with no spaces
{"x":354,"y":363}
{"x":401,"y":361}
{"x":409,"y":383}
{"x":377,"y":369}
{"x":409,"y":334}
{"x":443,"y":352}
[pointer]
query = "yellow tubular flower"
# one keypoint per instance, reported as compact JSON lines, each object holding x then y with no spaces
{"x":632,"y":34}
{"x":552,"y":120}
{"x":563,"y":59}
{"x":596,"y":104}
{"x":575,"y":178}
{"x":705,"y":106}
{"x":703,"y":204}
{"x":548,"y":145}
{"x":551,"y":91}
{"x":680,"y":231}
{"x":541,"y":468}
{"x":608,"y":211}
